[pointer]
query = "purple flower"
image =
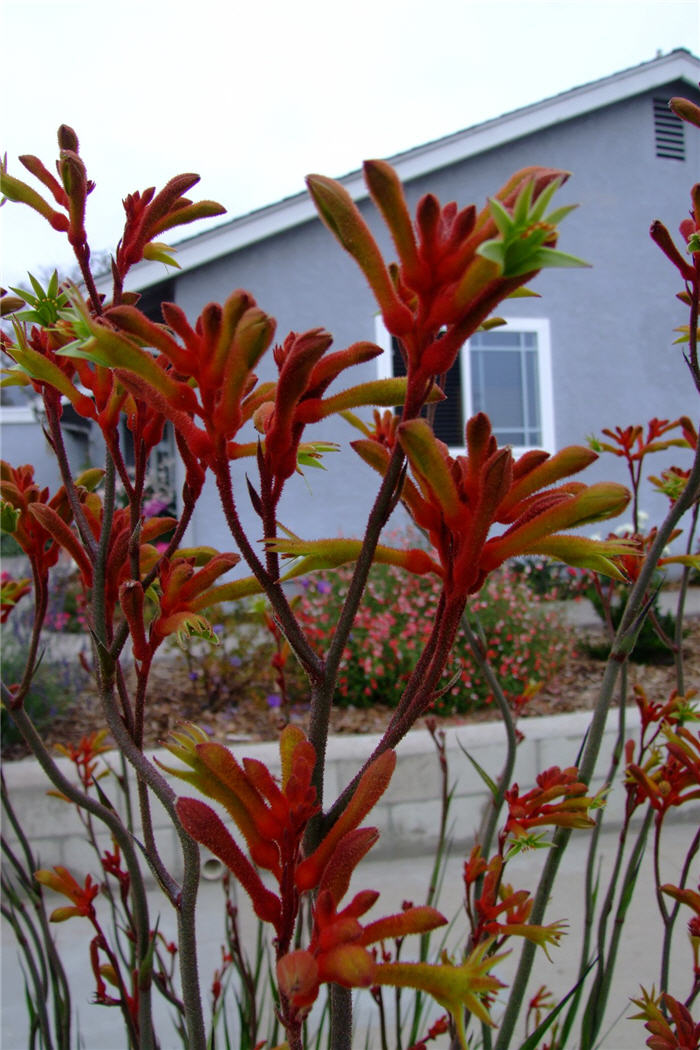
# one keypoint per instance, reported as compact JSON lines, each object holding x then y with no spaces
{"x":154,"y":506}
{"x":323,"y":587}
{"x":235,"y":661}
{"x":193,"y":676}
{"x":274,"y":700}
{"x":218,"y":628}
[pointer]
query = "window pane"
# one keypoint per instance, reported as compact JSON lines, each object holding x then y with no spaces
{"x":505,"y":384}
{"x":449,"y":420}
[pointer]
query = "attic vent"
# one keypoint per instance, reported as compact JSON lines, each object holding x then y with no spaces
{"x":668,"y":132}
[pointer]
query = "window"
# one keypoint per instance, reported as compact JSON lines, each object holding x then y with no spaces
{"x":505,"y":372}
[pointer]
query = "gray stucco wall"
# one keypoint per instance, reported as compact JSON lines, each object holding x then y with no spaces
{"x":611,"y":325}
{"x":23,"y":441}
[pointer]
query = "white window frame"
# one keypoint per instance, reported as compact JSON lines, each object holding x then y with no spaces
{"x":538,"y":325}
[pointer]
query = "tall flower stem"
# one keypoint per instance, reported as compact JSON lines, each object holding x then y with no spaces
{"x":272,"y":588}
{"x":490,"y":820}
{"x":625,"y":637}
{"x":113,"y":822}
{"x":669,"y":917}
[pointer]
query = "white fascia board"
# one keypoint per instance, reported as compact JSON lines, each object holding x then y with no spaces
{"x":29,"y":413}
{"x":555,"y":110}
{"x":293,"y":211}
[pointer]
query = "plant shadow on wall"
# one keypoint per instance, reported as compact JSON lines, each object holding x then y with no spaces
{"x":287,"y":848}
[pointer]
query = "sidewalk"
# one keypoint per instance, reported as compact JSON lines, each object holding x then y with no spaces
{"x":405,"y":880}
{"x":399,"y":867}
{"x":582,"y":614}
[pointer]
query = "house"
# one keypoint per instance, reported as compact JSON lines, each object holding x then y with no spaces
{"x":594,"y":350}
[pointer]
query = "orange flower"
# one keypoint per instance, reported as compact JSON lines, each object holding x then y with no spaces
{"x":61,"y":881}
{"x":458,"y":499}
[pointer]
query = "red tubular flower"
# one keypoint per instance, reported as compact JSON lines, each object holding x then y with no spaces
{"x":457,"y":501}
{"x":61,"y":881}
{"x":149,"y":214}
{"x":273,"y":818}
{"x":632,"y":444}
{"x":559,"y":800}
{"x":454,"y":266}
{"x":85,"y":755}
{"x":40,"y":522}
{"x":685,"y":1033}
{"x":184,"y":590}
{"x":338,"y":951}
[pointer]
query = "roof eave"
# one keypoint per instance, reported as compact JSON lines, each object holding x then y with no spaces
{"x":265,"y":222}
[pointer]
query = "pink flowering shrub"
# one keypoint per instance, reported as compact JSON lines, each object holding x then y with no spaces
{"x":522,"y":634}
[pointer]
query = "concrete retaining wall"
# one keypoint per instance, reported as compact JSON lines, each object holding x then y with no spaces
{"x":408,"y":815}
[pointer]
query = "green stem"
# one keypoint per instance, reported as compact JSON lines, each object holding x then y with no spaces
{"x":669,"y":919}
{"x":491,"y":814}
{"x":111,"y":819}
{"x":622,"y":645}
{"x":626,"y":893}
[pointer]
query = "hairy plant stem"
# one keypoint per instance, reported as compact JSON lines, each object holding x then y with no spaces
{"x":184,"y":896}
{"x":680,"y":607}
{"x":341,"y":1018}
{"x":323,"y":690}
{"x":593,"y":1017}
{"x":375,"y":523}
{"x":147,"y":777}
{"x":421,"y":686}
{"x":121,"y":835}
{"x":41,"y":600}
{"x":495,"y":804}
{"x":692,"y":357}
{"x":669,"y":918}
{"x":625,"y":637}
{"x":52,"y":404}
{"x":308,"y":659}
{"x":101,"y":626}
{"x":82,"y":254}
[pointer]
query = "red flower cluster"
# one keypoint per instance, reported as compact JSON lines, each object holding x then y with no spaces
{"x":273,"y":820}
{"x":559,"y":800}
{"x":454,"y":265}
{"x":458,"y":499}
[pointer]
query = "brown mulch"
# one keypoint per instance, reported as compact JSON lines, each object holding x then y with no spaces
{"x":573,"y":688}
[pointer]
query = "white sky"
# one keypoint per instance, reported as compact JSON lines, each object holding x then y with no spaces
{"x":254,"y":94}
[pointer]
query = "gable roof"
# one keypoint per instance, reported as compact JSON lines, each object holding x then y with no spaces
{"x":256,"y":225}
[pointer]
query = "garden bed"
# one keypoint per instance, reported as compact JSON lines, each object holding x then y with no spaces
{"x":174,"y":698}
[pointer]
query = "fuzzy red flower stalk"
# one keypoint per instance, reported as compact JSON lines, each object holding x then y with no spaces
{"x":669,"y":1022}
{"x":458,"y":499}
{"x":454,"y":266}
{"x":498,"y":911}
{"x":559,"y":800}
{"x":692,"y":899}
{"x":41,"y":523}
{"x":272,"y":818}
{"x":673,"y":782}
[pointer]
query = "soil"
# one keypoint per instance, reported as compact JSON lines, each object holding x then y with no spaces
{"x":573,"y":688}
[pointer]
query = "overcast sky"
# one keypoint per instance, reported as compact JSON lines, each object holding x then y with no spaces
{"x":254,"y":95}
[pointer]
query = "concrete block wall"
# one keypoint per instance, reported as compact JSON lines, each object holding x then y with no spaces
{"x":408,"y":815}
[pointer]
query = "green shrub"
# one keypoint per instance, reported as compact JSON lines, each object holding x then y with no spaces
{"x":649,"y":648}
